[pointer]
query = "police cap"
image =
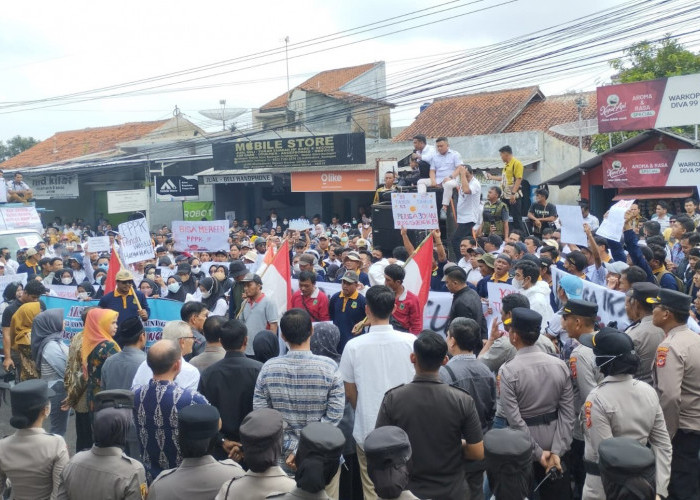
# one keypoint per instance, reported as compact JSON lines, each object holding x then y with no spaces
{"x":320,"y":438}
{"x":578,"y":307}
{"x":198,"y":421}
{"x":524,"y":319}
{"x":608,"y":342}
{"x":671,"y":299}
{"x":29,"y":395}
{"x":115,"y":398}
{"x":502,"y":445}
{"x":625,"y":456}
{"x":386,"y":446}
{"x":643,"y":292}
{"x":263,"y":424}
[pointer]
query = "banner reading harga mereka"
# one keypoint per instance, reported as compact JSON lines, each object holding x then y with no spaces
{"x":652,"y":169}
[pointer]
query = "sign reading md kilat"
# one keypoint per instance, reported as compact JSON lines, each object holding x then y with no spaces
{"x":652,"y":169}
{"x":667,"y":102}
{"x":307,"y":151}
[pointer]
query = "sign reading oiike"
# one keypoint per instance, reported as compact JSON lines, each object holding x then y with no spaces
{"x":204,"y":236}
{"x":414,"y":210}
{"x":135,"y":241}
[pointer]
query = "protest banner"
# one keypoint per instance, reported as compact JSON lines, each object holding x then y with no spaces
{"x":611,"y":303}
{"x":12,"y":278}
{"x":414,"y":210}
{"x":64,"y":291}
{"x":496,"y":292}
{"x":614,"y":223}
{"x":198,"y":236}
{"x":20,"y":218}
{"x":98,"y":244}
{"x":165,"y":272}
{"x":162,"y":311}
{"x":135,"y":243}
{"x":300,"y":224}
{"x":571,"y":221}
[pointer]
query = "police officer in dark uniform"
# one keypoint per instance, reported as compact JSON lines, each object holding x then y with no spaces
{"x":316,"y":461}
{"x":388,"y":451}
{"x":508,"y":463}
{"x":199,"y":476}
{"x":105,"y":471}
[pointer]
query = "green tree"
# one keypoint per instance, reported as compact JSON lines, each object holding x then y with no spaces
{"x":13,"y":147}
{"x":648,"y":61}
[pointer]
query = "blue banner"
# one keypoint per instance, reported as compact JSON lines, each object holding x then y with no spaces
{"x":162,"y":311}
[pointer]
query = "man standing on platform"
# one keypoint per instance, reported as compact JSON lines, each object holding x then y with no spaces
{"x":511,"y":179}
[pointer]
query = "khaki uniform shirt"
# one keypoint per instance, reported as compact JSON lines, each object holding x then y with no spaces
{"x":257,"y":485}
{"x":104,"y":473}
{"x":195,"y":478}
{"x":623,"y":407}
{"x":33,"y":460}
{"x":677,"y":379}
{"x":646,"y":338}
{"x":532,"y":384}
{"x":585,"y":376}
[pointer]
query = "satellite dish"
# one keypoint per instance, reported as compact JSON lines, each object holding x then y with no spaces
{"x":571,"y":129}
{"x":223,"y":113}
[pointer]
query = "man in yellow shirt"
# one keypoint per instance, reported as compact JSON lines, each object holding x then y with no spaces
{"x":511,"y":179}
{"x":389,"y":179}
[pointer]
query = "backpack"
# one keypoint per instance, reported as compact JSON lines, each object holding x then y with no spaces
{"x":679,"y":282}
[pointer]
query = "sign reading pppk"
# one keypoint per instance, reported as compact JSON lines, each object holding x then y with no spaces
{"x":135,"y":242}
{"x":414,"y":210}
{"x":200,"y":236}
{"x":308,"y":151}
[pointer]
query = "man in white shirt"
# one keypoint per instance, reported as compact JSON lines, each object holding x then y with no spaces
{"x":188,"y":378}
{"x":421,"y":149}
{"x":588,"y":217}
{"x":443,"y":171}
{"x":372,"y":364}
{"x":468,"y":205}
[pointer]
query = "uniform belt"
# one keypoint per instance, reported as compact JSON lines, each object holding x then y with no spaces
{"x":542,"y":419}
{"x":591,"y":468}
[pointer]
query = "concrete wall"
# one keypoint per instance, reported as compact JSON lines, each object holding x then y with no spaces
{"x":560,"y":156}
{"x":372,"y":83}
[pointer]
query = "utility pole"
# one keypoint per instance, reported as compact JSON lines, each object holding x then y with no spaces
{"x":580,"y":104}
{"x":286,"y":58}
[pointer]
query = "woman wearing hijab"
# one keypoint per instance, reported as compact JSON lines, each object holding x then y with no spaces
{"x":85,"y":291}
{"x":149,"y":288}
{"x":220,"y":273}
{"x":324,"y":341}
{"x":213,"y":297}
{"x":12,"y":291}
{"x":175,"y":290}
{"x":31,"y":458}
{"x":265,"y":346}
{"x":51,"y":356}
{"x":20,"y":333}
{"x":98,"y":345}
{"x":64,"y":277}
{"x":77,"y":268}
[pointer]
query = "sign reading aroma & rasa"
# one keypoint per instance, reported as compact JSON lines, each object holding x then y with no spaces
{"x":652,"y":169}
{"x":414,"y":210}
{"x":204,"y":236}
{"x":667,"y":102}
{"x":54,"y":187}
{"x":135,"y":243}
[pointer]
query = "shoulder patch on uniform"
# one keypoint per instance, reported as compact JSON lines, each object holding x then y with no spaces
{"x":572,"y":366}
{"x":587,"y":411}
{"x":144,"y":490}
{"x":661,"y":353}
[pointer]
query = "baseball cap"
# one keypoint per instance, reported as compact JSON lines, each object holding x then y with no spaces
{"x":350,"y":277}
{"x":252,"y":277}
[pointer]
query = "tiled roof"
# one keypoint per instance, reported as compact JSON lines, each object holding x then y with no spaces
{"x":554,"y":110}
{"x":77,"y":143}
{"x":325,"y":82}
{"x":471,"y":114}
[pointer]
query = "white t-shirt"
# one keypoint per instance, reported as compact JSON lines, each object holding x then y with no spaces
{"x":445,"y":165}
{"x":188,"y":378}
{"x":375,"y":362}
{"x":469,"y":205}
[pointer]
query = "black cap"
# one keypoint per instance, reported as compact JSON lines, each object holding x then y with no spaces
{"x":644,"y":292}
{"x":320,"y":438}
{"x":161,"y":249}
{"x":252,"y":277}
{"x":524,"y":319}
{"x":386,"y":446}
{"x":671,"y":299}
{"x":260,"y":241}
{"x":624,"y":456}
{"x":220,"y":252}
{"x":129,"y":330}
{"x":184,"y":268}
{"x":578,"y":307}
{"x":115,"y":398}
{"x":608,"y":342}
{"x":198,"y":421}
{"x":29,"y":396}
{"x":578,"y":260}
{"x":261,"y":427}
{"x":237,"y":269}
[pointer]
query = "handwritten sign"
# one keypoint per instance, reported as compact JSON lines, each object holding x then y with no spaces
{"x":614,"y":223}
{"x":98,"y":244}
{"x":496,"y":293}
{"x":135,"y":242}
{"x":20,"y":217}
{"x":414,"y":210}
{"x":196,"y":236}
{"x":64,"y":291}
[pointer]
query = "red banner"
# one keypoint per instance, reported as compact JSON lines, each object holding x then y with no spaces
{"x":644,"y":169}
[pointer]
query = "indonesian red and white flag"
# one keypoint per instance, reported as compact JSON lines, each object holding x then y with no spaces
{"x":418,"y":271}
{"x":115,"y":266}
{"x":277,"y":279}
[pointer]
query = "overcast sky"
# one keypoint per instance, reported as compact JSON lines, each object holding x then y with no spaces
{"x":55,"y":48}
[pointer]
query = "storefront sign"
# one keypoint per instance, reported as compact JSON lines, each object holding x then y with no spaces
{"x":667,"y":102}
{"x":357,"y":180}
{"x":54,"y":187}
{"x":131,"y":200}
{"x":176,"y":188}
{"x":652,"y":169}
{"x":198,"y":210}
{"x":236,"y":178}
{"x":308,"y":151}
{"x":203,"y":236}
{"x":414,"y":210}
{"x":135,"y":241}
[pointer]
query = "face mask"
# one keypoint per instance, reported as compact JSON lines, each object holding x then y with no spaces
{"x":344,"y":239}
{"x":66,"y":281}
{"x":328,"y":233}
{"x":285,"y":222}
{"x":196,"y":269}
{"x":517,"y":284}
{"x":104,"y":267}
{"x":83,"y":295}
{"x":296,"y":268}
{"x":206,"y":295}
{"x":220,"y":276}
{"x":354,"y":221}
{"x":174,"y":287}
{"x":273,"y":219}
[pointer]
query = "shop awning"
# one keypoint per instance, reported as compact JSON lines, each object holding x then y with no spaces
{"x":653,"y":193}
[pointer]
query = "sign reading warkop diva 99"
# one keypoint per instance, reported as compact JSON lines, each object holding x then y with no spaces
{"x":309,"y":151}
{"x":652,"y":169}
{"x":667,"y":102}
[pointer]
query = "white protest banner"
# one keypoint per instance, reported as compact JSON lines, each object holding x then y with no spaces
{"x":131,"y":200}
{"x":98,"y":244}
{"x":414,"y":210}
{"x":63,"y":291}
{"x":165,"y":272}
{"x":205,"y":266}
{"x":611,"y":303}
{"x":571,"y":221}
{"x":612,"y":225}
{"x":20,"y":217}
{"x":496,"y":292}
{"x":197,"y":236}
{"x":135,"y":243}
{"x":12,"y":278}
{"x":299,"y":224}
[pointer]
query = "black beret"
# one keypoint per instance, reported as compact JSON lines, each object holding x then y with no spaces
{"x":671,"y":299}
{"x":129,"y":329}
{"x":198,"y":421}
{"x":387,"y":445}
{"x":608,"y":341}
{"x":29,"y":395}
{"x":578,"y":307}
{"x":524,"y":319}
{"x":115,"y":398}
